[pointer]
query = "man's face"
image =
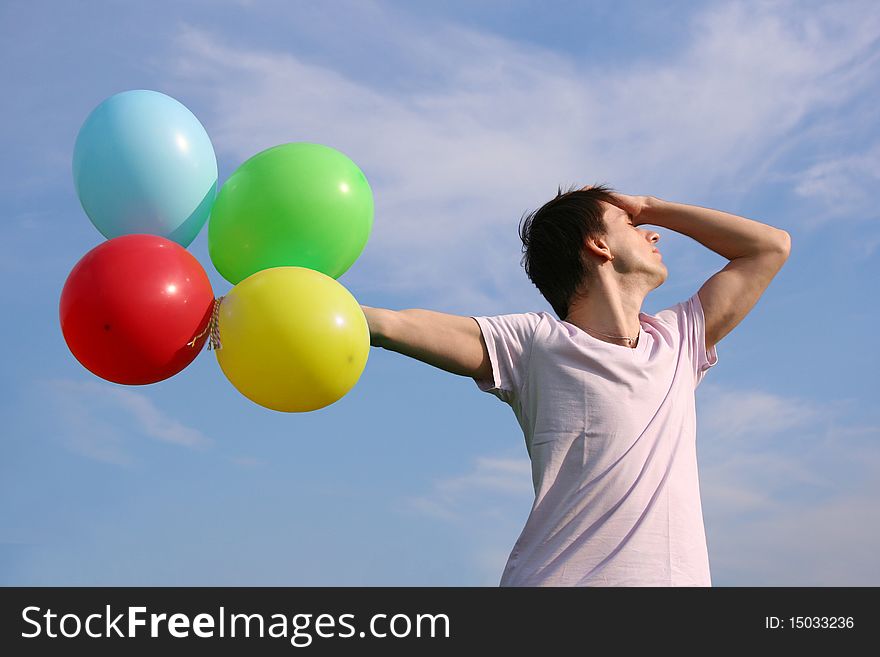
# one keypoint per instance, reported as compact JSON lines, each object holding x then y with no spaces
{"x":636,"y":247}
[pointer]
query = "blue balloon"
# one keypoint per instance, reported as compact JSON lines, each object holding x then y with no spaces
{"x":143,"y":163}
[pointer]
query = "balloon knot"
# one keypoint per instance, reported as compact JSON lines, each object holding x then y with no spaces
{"x":213,"y":326}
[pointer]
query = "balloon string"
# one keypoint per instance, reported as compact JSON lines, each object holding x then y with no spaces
{"x":213,"y":326}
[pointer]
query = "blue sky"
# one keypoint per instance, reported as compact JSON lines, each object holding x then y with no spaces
{"x":462,"y":116}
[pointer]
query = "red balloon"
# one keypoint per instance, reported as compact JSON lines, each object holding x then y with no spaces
{"x":131,"y":305}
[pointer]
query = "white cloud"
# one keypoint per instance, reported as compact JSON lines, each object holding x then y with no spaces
{"x":789,"y":490}
{"x":248,"y":461}
{"x":487,"y":504}
{"x":87,"y":416}
{"x":744,"y":415}
{"x":841,"y":189}
{"x":833,"y":542}
{"x":490,"y":479}
{"x":155,"y":423}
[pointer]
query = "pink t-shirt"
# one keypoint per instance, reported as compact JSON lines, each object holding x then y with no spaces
{"x":611,"y":433}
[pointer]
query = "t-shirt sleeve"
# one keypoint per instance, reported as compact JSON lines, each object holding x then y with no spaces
{"x":508,"y":340}
{"x":691,"y":324}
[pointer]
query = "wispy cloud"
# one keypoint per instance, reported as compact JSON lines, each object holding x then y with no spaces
{"x":837,"y":180}
{"x":490,"y":479}
{"x":751,"y":415}
{"x":248,"y":462}
{"x":843,"y":187}
{"x":488,"y":504}
{"x":827,"y":542}
{"x":789,"y":490}
{"x":86,"y":411}
{"x":494,"y":125}
{"x":154,"y":423}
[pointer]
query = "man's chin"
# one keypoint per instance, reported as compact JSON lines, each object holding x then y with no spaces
{"x":663,"y":276}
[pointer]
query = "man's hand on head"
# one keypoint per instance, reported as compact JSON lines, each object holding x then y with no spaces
{"x":635,"y":206}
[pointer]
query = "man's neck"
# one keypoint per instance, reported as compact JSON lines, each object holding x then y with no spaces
{"x":612,"y":321}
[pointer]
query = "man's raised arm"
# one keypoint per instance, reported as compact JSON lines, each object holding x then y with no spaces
{"x":450,"y":342}
{"x":756,"y":251}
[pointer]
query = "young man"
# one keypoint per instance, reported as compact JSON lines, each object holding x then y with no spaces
{"x":604,"y":393}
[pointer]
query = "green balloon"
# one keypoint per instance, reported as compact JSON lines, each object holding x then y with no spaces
{"x":297,"y":204}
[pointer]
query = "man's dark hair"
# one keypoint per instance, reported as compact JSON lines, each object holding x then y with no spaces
{"x":553,"y":243}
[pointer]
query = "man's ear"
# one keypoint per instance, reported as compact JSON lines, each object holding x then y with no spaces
{"x":599,"y":247}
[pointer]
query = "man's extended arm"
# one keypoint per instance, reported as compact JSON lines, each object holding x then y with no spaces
{"x":450,"y":342}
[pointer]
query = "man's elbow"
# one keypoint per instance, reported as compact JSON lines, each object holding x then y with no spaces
{"x":785,"y":242}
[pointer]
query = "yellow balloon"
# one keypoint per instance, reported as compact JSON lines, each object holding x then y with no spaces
{"x":292,"y":339}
